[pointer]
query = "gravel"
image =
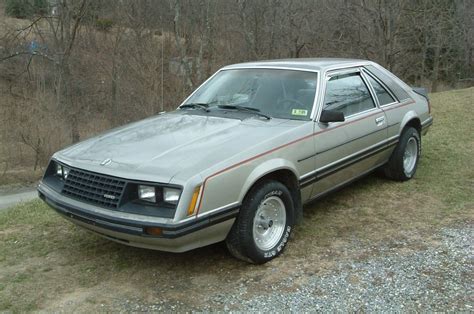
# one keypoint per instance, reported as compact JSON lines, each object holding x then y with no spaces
{"x":397,"y":276}
{"x":438,"y":278}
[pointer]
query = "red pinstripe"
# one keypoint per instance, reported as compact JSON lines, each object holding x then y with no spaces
{"x":288,"y":144}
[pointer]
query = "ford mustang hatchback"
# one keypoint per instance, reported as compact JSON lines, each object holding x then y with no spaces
{"x":241,"y":156}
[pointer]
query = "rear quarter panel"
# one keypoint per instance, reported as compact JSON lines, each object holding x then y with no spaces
{"x":399,"y":114}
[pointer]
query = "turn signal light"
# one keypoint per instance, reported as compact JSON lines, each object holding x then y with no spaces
{"x":194,"y":199}
{"x":155,"y":231}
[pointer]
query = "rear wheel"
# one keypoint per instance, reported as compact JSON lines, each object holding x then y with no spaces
{"x":264,"y":224}
{"x":404,"y":160}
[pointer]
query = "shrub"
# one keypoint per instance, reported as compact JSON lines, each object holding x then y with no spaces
{"x":40,"y":7}
{"x":18,"y":8}
{"x":104,"y":24}
{"x":22,"y":9}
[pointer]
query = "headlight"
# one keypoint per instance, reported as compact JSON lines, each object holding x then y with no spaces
{"x":158,"y":195}
{"x":147,"y":193}
{"x":65,"y":172}
{"x":171,"y":195}
{"x":59,"y":170}
{"x":62,"y":171}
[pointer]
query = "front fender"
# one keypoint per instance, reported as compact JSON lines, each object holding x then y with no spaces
{"x":264,"y":169}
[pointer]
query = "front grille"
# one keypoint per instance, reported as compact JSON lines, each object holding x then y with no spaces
{"x":94,"y":188}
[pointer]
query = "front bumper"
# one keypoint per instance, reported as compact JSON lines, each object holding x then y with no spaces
{"x":129,"y":229}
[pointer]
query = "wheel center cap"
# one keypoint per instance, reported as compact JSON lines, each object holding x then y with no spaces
{"x":265,"y":223}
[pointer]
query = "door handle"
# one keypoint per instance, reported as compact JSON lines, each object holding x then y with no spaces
{"x":379,"y":121}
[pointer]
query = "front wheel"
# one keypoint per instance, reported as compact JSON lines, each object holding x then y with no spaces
{"x":404,"y":160}
{"x":264,"y":224}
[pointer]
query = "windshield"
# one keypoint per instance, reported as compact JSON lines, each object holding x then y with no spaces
{"x":282,"y":94}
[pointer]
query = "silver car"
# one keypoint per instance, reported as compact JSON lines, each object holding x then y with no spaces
{"x":241,"y":156}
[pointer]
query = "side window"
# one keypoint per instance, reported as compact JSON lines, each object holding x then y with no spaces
{"x":384,"y":97}
{"x":348,"y":93}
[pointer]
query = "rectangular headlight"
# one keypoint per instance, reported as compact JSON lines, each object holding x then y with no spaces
{"x":59,"y":170}
{"x":171,"y":195}
{"x":65,"y":172}
{"x":147,"y":193}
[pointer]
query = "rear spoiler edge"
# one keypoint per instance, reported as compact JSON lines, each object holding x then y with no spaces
{"x":421,"y":91}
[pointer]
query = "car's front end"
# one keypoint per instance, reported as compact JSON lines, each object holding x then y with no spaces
{"x":176,"y":181}
{"x":143,"y":185}
{"x":137,"y":213}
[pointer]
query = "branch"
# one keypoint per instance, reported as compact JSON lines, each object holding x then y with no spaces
{"x":5,"y":169}
{"x":31,"y":25}
{"x":82,"y":11}
{"x":16,"y":54}
{"x":35,"y":148}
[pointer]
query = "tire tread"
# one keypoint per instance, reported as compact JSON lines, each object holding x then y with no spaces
{"x":394,"y":167}
{"x":238,"y":242}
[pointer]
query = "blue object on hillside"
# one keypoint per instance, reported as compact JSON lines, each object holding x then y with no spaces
{"x":33,"y":47}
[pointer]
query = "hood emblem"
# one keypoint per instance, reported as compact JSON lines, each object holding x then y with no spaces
{"x":106,"y":162}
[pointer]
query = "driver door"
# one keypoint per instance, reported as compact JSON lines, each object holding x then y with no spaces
{"x":345,"y":150}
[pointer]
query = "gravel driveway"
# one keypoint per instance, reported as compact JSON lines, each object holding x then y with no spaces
{"x":436,"y":277}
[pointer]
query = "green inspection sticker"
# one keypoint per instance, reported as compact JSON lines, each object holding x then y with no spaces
{"x":299,"y":112}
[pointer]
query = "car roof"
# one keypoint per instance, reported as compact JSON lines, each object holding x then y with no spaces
{"x":314,"y":64}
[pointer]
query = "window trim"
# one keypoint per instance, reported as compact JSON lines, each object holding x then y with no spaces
{"x":344,"y":71}
{"x":374,"y":77}
{"x":361,"y":113}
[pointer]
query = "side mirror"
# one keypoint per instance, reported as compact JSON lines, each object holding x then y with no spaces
{"x":331,"y":116}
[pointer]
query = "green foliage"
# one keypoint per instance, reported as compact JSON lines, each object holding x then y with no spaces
{"x":103,"y":24}
{"x":18,"y":8}
{"x":40,"y":6}
{"x":22,"y":9}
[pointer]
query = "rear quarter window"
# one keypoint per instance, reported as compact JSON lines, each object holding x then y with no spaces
{"x":396,"y":89}
{"x":383,"y":96}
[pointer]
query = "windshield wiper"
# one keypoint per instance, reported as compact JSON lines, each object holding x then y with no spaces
{"x":202,"y":106}
{"x":246,"y":109}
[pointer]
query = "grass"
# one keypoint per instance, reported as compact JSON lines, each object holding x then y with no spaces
{"x":49,"y":264}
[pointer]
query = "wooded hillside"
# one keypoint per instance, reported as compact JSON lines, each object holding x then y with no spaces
{"x":72,"y":68}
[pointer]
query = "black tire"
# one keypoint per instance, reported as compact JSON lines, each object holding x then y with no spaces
{"x":395,"y":168}
{"x":241,"y":241}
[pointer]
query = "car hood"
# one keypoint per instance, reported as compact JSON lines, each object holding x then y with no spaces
{"x":158,"y":148}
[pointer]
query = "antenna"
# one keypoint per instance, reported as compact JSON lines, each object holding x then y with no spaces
{"x":162,"y":64}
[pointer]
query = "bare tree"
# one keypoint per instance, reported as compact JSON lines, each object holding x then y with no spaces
{"x":90,"y":65}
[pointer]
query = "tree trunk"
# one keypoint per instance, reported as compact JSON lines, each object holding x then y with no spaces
{"x":184,"y":61}
{"x":115,"y":78}
{"x":435,"y":74}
